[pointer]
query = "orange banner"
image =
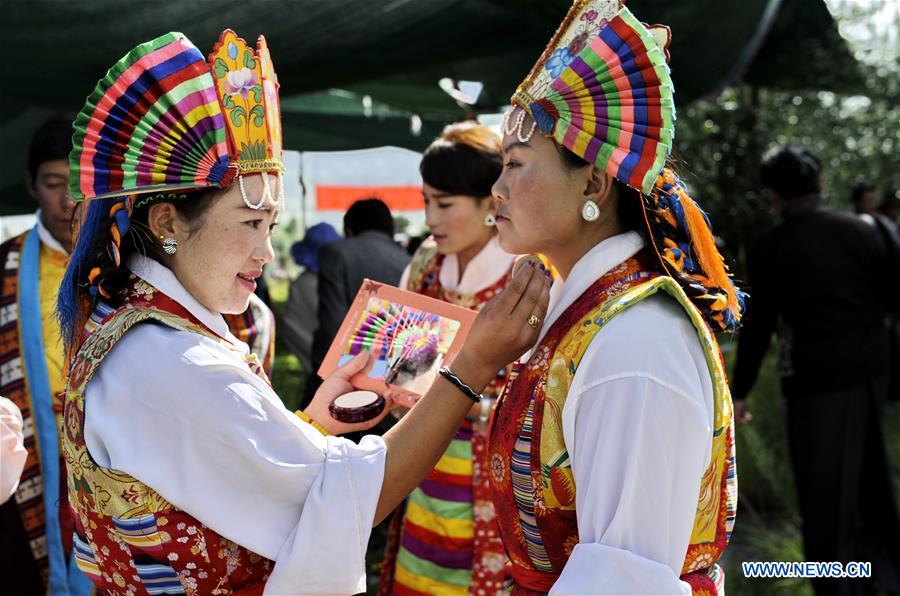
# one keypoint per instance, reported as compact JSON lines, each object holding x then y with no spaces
{"x":339,"y":198}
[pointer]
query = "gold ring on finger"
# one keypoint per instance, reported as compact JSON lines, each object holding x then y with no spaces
{"x":534,"y":321}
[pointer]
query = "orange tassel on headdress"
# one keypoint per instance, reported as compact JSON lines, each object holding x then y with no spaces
{"x":679,"y":225}
{"x":706,"y":252}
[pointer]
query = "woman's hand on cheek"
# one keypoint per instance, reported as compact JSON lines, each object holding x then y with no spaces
{"x":502,"y":332}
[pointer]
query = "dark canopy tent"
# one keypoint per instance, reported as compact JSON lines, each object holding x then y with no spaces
{"x":357,"y":73}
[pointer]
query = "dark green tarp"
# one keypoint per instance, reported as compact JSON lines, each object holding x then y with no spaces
{"x":394,"y":52}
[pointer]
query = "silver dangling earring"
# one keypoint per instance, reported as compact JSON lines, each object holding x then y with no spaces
{"x":490,"y":220}
{"x":590,"y":211}
{"x":170,"y":245}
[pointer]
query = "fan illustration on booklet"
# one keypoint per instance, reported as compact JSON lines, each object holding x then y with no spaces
{"x":410,"y":336}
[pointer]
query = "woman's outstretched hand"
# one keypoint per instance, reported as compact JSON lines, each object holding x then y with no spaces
{"x":338,"y":383}
{"x":506,"y":327}
{"x":500,"y":334}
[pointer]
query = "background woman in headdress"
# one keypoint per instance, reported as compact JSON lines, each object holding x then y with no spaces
{"x":446,"y":540}
{"x":185,"y":471}
{"x":612,"y":447}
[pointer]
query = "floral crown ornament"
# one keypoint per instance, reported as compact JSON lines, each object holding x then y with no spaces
{"x":602,"y":89}
{"x":248,"y":89}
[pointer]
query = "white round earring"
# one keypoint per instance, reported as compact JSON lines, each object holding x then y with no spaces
{"x":490,"y":220}
{"x":590,"y":211}
{"x":170,"y":245}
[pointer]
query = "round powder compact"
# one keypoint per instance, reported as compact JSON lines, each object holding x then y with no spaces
{"x":524,"y":260}
{"x":357,"y":406}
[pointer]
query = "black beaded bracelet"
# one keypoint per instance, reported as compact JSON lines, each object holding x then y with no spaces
{"x":457,"y":382}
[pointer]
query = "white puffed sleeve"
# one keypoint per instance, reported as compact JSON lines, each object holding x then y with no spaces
{"x":186,"y":416}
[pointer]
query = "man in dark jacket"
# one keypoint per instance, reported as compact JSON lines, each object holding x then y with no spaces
{"x":368,"y":251}
{"x":825,"y":283}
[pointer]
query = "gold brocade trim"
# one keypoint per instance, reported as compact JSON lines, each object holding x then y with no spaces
{"x":162,"y":196}
{"x":522,"y":99}
{"x":564,"y":362}
{"x":92,"y":488}
{"x":260,"y":165}
{"x":420,"y":263}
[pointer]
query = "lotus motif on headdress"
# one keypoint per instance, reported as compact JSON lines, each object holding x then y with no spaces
{"x":241,"y":82}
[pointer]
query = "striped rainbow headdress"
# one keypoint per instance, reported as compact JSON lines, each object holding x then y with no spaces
{"x":165,"y":119}
{"x":602,"y":89}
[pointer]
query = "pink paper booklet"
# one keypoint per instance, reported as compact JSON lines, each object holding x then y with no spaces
{"x":411,"y":336}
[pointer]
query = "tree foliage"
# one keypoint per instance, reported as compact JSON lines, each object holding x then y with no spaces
{"x":720,"y":142}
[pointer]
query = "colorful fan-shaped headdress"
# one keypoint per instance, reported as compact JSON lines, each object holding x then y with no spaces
{"x":165,"y":120}
{"x":602,"y":90}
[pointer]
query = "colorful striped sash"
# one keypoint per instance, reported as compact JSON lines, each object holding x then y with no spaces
{"x":24,"y":380}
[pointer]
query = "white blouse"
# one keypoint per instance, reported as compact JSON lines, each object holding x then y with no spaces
{"x":490,"y":264}
{"x":186,"y":416}
{"x":638,"y":427}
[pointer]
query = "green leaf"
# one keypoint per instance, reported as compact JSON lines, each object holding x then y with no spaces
{"x":237,"y":114}
{"x":220,"y":69}
{"x":257,"y":92}
{"x":228,"y":101}
{"x":259,"y":150}
{"x":259,"y":115}
{"x":254,"y":151}
{"x":249,"y":62}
